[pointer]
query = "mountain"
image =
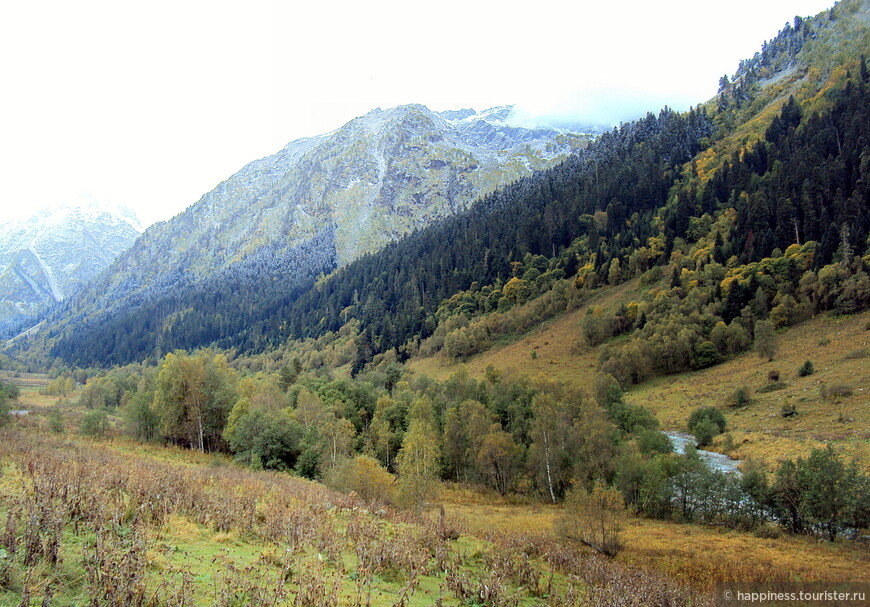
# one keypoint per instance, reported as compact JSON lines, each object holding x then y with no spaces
{"x":373,"y":180}
{"x":319,"y":203}
{"x":775,"y":163}
{"x":50,"y":255}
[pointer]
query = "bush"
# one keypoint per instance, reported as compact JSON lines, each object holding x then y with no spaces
{"x":772,"y":387}
{"x":773,"y":375}
{"x":652,"y":442}
{"x":263,"y":438}
{"x":835,"y":391}
{"x":632,"y":418}
{"x":704,"y":432}
{"x":788,"y":410}
{"x":364,"y":476}
{"x":705,"y":423}
{"x":55,"y":421}
{"x":706,"y":355}
{"x":651,"y":276}
{"x":8,"y":391}
{"x":741,"y":397}
{"x":767,"y":531}
{"x":765,"y":340}
{"x":594,"y":517}
{"x":95,"y":423}
{"x":806,"y":369}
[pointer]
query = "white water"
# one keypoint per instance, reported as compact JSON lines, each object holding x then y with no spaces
{"x":714,"y":461}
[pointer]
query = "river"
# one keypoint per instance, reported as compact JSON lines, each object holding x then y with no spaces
{"x":714,"y":461}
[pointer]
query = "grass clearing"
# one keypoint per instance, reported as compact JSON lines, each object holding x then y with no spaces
{"x":760,"y":431}
{"x":675,"y":548}
{"x":561,"y":351}
{"x":137,"y":524}
{"x":836,"y":345}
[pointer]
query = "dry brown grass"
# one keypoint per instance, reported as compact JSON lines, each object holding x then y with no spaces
{"x":555,"y":342}
{"x":698,"y":555}
{"x":759,"y":431}
{"x":30,"y":384}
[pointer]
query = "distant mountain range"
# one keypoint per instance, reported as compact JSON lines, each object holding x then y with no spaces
{"x":49,"y":256}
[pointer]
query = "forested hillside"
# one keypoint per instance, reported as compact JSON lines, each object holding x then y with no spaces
{"x":317,"y":204}
{"x":778,"y":158}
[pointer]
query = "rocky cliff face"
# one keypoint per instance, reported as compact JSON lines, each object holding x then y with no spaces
{"x":47,"y":257}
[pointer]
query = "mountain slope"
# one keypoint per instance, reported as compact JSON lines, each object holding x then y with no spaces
{"x":333,"y":197}
{"x":780,"y":162}
{"x":376,"y":178}
{"x":732,"y":180}
{"x":49,"y":256}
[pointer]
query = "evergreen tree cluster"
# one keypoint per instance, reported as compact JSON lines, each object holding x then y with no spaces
{"x":776,"y":55}
{"x":240,"y":307}
{"x":809,"y":179}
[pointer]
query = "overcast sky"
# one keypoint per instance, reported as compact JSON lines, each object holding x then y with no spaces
{"x":151,"y":104}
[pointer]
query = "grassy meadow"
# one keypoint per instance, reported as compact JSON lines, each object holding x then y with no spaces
{"x":838,"y":347}
{"x":101,"y":523}
{"x":133,"y":524}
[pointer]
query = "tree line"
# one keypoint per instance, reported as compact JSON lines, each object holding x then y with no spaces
{"x":392,"y":437}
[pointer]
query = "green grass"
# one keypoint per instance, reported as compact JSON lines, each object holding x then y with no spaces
{"x":186,"y":549}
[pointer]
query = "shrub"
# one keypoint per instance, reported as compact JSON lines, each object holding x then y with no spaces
{"x":55,"y":421}
{"x":9,"y":391}
{"x":779,"y":385}
{"x":651,"y":442}
{"x":594,"y":517}
{"x":806,"y":369}
{"x":364,"y":476}
{"x":767,"y":531}
{"x":651,"y":276}
{"x":704,"y":432}
{"x":765,"y":339}
{"x":705,"y":423}
{"x":741,"y":397}
{"x":597,"y":328}
{"x":706,"y":355}
{"x":632,"y":418}
{"x":773,"y":375}
{"x":95,"y":423}
{"x":263,"y":438}
{"x":835,"y":391}
{"x":788,"y":410}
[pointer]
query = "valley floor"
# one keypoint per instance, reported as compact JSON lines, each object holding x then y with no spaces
{"x":176,"y":527}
